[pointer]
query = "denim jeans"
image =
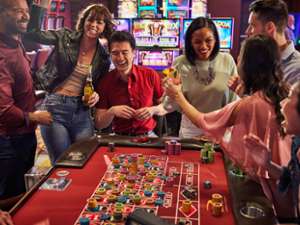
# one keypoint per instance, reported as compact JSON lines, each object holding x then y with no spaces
{"x":16,"y":158}
{"x":71,"y":122}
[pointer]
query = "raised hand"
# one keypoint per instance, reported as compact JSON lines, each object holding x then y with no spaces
{"x":236,"y":85}
{"x":172,"y":90}
{"x":258,"y":151}
{"x":42,"y":3}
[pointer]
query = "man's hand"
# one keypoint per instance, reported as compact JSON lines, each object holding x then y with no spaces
{"x":41,"y":117}
{"x":123,"y":111}
{"x":93,"y":100}
{"x":258,"y":151}
{"x":5,"y":218}
{"x":144,"y":113}
{"x":236,"y":85}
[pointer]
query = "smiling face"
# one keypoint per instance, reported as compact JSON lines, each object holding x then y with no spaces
{"x":93,"y":25}
{"x":122,"y":56}
{"x":203,"y":43}
{"x":291,"y":123}
{"x":15,"y":17}
{"x":255,"y":26}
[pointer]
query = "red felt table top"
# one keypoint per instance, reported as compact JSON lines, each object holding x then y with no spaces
{"x":64,"y":207}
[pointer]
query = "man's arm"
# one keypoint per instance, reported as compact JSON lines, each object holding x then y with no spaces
{"x":104,"y":117}
{"x":10,"y":114}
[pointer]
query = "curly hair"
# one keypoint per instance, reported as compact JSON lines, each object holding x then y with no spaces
{"x":199,"y":23}
{"x":261,"y":70}
{"x":99,"y":11}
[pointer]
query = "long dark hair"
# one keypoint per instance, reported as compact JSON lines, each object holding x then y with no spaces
{"x":101,"y":11}
{"x":261,"y":70}
{"x":199,"y":23}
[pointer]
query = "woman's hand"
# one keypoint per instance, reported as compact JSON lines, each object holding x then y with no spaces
{"x":172,"y":90}
{"x":93,"y":100}
{"x":5,"y":218}
{"x":258,"y":151}
{"x":236,"y":85}
{"x":42,"y":3}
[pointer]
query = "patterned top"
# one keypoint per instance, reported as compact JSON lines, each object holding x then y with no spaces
{"x":204,"y":86}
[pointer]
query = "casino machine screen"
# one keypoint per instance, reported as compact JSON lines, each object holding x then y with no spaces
{"x":122,"y":24}
{"x":157,"y":60}
{"x":224,"y":27}
{"x":156,"y":32}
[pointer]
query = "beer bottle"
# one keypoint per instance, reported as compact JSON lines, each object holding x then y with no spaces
{"x":88,"y":89}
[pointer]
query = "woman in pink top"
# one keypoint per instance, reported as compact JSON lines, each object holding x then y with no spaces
{"x":288,"y":176}
{"x":258,"y":112}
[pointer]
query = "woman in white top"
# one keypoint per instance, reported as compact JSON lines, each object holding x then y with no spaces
{"x":204,"y":72}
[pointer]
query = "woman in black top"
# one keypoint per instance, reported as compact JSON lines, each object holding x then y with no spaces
{"x":76,"y":55}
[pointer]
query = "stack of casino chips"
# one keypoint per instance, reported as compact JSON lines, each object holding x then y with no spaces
{"x":172,"y":147}
{"x":207,"y":154}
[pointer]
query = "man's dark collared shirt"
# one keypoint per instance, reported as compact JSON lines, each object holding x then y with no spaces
{"x":17,"y":96}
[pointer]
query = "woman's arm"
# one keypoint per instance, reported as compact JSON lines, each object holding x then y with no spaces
{"x":174,"y":92}
{"x":34,"y":32}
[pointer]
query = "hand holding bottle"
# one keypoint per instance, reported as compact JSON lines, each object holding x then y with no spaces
{"x":90,"y":98}
{"x":172,"y":74}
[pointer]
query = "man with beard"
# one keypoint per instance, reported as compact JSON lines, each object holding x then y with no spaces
{"x":270,"y":17}
{"x":18,"y":117}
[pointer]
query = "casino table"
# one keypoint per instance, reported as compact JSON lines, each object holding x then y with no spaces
{"x":66,"y":206}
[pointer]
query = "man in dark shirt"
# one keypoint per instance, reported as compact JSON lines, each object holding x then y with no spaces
{"x":17,"y":99}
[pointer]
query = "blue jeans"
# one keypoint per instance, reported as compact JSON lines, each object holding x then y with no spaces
{"x":71,"y":122}
{"x":16,"y":158}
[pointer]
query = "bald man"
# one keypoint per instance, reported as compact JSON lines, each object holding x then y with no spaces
{"x":18,"y":117}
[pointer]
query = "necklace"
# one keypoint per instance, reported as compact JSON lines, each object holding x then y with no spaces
{"x":205,"y":80}
{"x":85,"y":51}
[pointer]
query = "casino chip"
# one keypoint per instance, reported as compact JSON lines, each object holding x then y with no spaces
{"x":207,"y":184}
{"x":62,"y":173}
